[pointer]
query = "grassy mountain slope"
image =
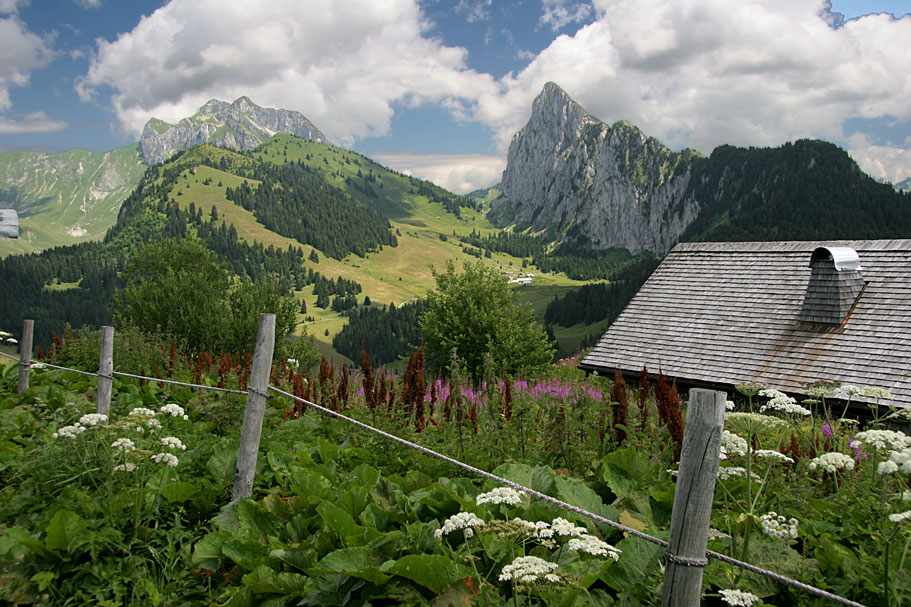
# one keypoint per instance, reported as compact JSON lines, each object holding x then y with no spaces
{"x":65,"y":198}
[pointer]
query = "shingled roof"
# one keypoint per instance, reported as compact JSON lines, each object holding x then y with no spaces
{"x":719,"y":314}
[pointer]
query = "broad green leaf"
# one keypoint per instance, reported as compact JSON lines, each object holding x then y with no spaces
{"x":257,"y":518}
{"x":638,"y":559}
{"x":433,"y":571}
{"x":458,"y":594}
{"x":574,"y":491}
{"x":221,"y":464}
{"x":366,"y":475}
{"x":342,"y":522}
{"x":627,"y":471}
{"x":207,"y":551}
{"x":246,"y":553}
{"x":310,"y":484}
{"x":355,"y":562}
{"x":178,"y":492}
{"x":63,"y":530}
{"x":285,"y":508}
{"x":282,"y":583}
{"x":301,"y":560}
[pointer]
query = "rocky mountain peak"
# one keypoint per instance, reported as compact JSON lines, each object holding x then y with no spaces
{"x":240,"y":125}
{"x":612,"y":185}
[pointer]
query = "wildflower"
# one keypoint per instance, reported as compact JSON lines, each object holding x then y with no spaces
{"x":562,"y":526}
{"x":905,"y":496}
{"x":501,"y":495}
{"x":529,"y":569}
{"x":69,"y":431}
{"x":38,"y":365}
{"x":123,"y":444}
{"x":779,"y":401}
{"x":174,"y":410}
{"x":166,"y":458}
{"x":827,"y":431}
{"x":173,"y":443}
{"x":462,"y":520}
{"x":901,"y":516}
{"x":153,"y":424}
{"x":125,"y":467}
{"x":93,"y":419}
{"x":142,"y":412}
{"x":714,"y":534}
{"x":293,"y":361}
{"x":885,"y":439}
{"x":877,"y":393}
{"x":593,"y":545}
{"x":729,"y":405}
{"x":847,"y":391}
{"x":731,"y":444}
{"x":831,"y":462}
{"x":725,"y":473}
{"x":11,"y":340}
{"x":769,"y":453}
{"x":5,"y":334}
{"x":898,"y":460}
{"x":775,"y":525}
{"x":738,"y":598}
{"x":749,"y":388}
{"x":767,"y":421}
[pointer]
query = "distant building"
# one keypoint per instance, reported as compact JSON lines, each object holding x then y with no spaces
{"x":9,"y":223}
{"x":784,"y":314}
{"x":520,"y":281}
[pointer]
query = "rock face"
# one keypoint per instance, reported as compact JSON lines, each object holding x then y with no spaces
{"x":577,"y":176}
{"x":239,"y":125}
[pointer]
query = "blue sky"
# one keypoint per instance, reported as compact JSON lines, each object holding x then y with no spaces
{"x":438,"y":87}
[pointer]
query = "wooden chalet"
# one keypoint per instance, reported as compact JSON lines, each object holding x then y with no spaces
{"x":784,"y":314}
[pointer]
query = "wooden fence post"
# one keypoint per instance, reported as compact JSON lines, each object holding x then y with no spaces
{"x":25,"y":354}
{"x":693,"y":498}
{"x":105,"y":371}
{"x":257,"y":394}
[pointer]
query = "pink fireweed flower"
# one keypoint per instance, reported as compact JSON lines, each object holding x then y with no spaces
{"x":827,"y":431}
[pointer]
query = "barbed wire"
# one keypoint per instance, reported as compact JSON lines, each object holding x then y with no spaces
{"x":595,"y":517}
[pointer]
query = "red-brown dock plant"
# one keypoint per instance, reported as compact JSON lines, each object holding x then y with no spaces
{"x":669,"y":411}
{"x":368,"y":381}
{"x":642,"y":398}
{"x":620,"y":405}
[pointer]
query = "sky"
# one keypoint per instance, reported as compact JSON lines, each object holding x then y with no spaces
{"x":438,"y":88}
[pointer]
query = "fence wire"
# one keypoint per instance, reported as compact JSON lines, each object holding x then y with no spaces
{"x":595,"y":517}
{"x":498,"y":479}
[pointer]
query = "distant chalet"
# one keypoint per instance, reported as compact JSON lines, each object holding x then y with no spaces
{"x":784,"y":314}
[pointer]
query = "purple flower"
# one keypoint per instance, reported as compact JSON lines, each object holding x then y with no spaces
{"x":827,"y":431}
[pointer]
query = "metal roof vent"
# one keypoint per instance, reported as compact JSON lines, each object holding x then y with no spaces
{"x":835,"y":284}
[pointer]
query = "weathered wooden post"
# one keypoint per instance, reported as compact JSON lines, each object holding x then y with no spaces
{"x":25,"y":354}
{"x":257,"y":394}
{"x":693,"y":498}
{"x":105,"y":371}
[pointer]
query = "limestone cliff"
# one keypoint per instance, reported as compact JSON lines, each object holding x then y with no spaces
{"x":571,"y":173}
{"x":240,"y":125}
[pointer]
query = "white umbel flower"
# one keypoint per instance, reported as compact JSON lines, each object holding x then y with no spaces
{"x":123,"y":444}
{"x":173,"y":443}
{"x":739,"y":598}
{"x":174,"y":410}
{"x":898,"y":461}
{"x":779,"y":401}
{"x":731,"y":444}
{"x":528,"y":569}
{"x":462,"y":520}
{"x":832,"y":462}
{"x":125,"y":467}
{"x":561,"y":526}
{"x":885,"y":439}
{"x":901,"y":516}
{"x":501,"y":495}
{"x":593,"y":545}
{"x":168,"y":459}
{"x":775,"y":525}
{"x":770,"y":453}
{"x":93,"y":419}
{"x":69,"y":431}
{"x":142,"y":412}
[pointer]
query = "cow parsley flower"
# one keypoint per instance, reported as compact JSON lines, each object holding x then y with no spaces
{"x":729,"y":405}
{"x":501,"y":495}
{"x":174,"y":410}
{"x":831,"y":462}
{"x":898,"y":460}
{"x":779,"y":401}
{"x":173,"y":443}
{"x":561,"y":526}
{"x":123,"y":444}
{"x":153,"y":424}
{"x":770,"y":453}
{"x":729,"y":472}
{"x":766,"y":421}
{"x":877,"y":393}
{"x":527,"y":569}
{"x":93,"y":419}
{"x":166,"y":458}
{"x":738,"y":598}
{"x":884,"y":439}
{"x":593,"y":545}
{"x":462,"y":520}
{"x":775,"y":525}
{"x":901,"y":516}
{"x":69,"y":431}
{"x":731,"y":444}
{"x":142,"y":412}
{"x":125,"y":467}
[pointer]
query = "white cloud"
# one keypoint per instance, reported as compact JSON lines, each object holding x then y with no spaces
{"x":560,"y":13}
{"x":88,"y":4}
{"x":345,"y":64}
{"x":887,"y":163}
{"x":11,"y":7}
{"x":459,"y":173}
{"x":21,"y":53}
{"x":474,"y":10}
{"x":36,"y":122}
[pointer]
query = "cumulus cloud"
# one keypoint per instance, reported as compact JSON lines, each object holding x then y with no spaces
{"x":560,"y":13}
{"x":345,"y":64}
{"x":887,"y":163}
{"x":23,"y":51}
{"x":36,"y":122}
{"x":704,"y":72}
{"x":459,"y":173}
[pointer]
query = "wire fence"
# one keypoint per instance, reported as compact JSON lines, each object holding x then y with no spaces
{"x":482,"y":473}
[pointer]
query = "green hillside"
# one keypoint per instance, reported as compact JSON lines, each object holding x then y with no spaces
{"x":177,"y":198}
{"x":65,"y":198}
